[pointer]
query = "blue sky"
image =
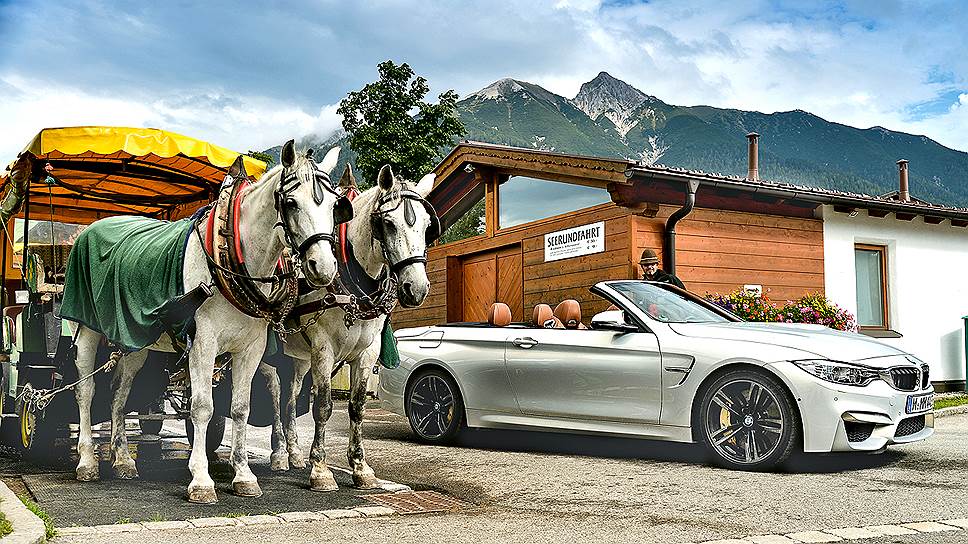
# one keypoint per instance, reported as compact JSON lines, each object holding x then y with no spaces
{"x":250,"y":75}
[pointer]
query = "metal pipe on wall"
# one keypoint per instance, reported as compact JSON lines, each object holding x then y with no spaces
{"x":669,"y":244}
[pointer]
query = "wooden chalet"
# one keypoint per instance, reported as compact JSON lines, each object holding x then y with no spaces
{"x":731,"y":231}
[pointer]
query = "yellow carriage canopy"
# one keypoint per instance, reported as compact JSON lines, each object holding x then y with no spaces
{"x":82,"y":174}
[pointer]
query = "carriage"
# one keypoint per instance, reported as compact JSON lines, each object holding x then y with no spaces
{"x":76,"y":176}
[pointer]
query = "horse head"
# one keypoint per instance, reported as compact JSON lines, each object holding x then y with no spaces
{"x":309,"y":208}
{"x":405,"y":224}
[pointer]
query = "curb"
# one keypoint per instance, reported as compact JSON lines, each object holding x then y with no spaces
{"x":851,"y":533}
{"x":242,"y":521}
{"x":27,"y":527}
{"x":954,"y":410}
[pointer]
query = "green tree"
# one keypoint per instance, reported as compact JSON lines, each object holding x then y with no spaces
{"x":262,"y":156}
{"x":388,"y":122}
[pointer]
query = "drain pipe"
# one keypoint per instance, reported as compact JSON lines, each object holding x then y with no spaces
{"x":669,"y":247}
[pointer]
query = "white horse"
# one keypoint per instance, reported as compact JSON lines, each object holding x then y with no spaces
{"x":388,"y":238}
{"x":291,"y":206}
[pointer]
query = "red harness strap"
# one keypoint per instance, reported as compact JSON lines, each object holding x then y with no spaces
{"x":351,"y":194}
{"x":210,"y":227}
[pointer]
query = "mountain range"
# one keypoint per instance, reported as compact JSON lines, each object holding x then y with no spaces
{"x":610,"y":118}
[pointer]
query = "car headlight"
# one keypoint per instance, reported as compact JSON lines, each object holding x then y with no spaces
{"x":837,"y":372}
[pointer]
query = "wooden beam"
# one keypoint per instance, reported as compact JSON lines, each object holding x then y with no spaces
{"x":491,"y":212}
{"x":905,"y":216}
{"x":959,"y":223}
{"x":877,"y":213}
{"x":932,"y":220}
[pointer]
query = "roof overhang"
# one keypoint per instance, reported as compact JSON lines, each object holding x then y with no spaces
{"x":632,"y":184}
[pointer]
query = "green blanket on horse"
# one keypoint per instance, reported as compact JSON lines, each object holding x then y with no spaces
{"x":120,"y":272}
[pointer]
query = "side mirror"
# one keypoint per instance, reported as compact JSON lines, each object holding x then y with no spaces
{"x":613,"y":326}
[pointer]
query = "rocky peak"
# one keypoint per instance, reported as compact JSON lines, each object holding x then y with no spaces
{"x":614,"y":98}
{"x":501,"y":88}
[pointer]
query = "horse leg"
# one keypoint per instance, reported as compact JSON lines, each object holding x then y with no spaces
{"x":244,"y":366}
{"x":363,"y":476}
{"x":279,"y":459}
{"x":320,"y":476}
{"x":86,"y":343}
{"x":201,"y":366}
{"x":300,"y":369}
{"x":124,"y":374}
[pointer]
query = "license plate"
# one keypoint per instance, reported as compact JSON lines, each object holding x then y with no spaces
{"x":919,"y":403}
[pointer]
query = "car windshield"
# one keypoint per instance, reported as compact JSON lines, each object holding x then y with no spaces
{"x":667,"y":304}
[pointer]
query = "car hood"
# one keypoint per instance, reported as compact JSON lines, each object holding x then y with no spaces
{"x":828,"y":343}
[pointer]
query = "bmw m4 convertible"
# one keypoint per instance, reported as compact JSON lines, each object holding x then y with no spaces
{"x":662,"y":364}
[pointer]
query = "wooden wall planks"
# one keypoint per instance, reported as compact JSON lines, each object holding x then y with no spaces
{"x":717,"y":251}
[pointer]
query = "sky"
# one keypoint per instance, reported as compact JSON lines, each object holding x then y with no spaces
{"x":252,"y":75}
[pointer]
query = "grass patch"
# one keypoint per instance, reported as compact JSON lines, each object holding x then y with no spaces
{"x":949,"y":401}
{"x":5,"y":527}
{"x":234,"y":514}
{"x":157,"y":517}
{"x":40,"y":513}
{"x":122,"y":521}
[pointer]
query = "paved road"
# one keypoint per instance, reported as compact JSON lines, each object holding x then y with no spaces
{"x":548,"y":487}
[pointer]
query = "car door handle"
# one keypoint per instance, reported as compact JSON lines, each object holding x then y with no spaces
{"x":526,"y":342}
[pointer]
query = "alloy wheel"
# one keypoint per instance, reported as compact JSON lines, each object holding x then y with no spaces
{"x":744,"y":423}
{"x":432,"y":407}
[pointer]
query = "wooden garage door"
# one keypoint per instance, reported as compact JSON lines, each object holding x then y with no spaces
{"x":494,"y":276}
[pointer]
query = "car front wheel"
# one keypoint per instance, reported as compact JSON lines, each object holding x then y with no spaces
{"x":747,"y":421}
{"x":434,"y":407}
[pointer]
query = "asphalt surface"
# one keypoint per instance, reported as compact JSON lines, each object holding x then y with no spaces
{"x":537,"y":487}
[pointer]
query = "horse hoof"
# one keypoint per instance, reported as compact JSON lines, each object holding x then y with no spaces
{"x":88,"y":474}
{"x":126,"y":472}
{"x":296,"y":460}
{"x":365,"y":481}
{"x":323,"y":484}
{"x":279,"y":461}
{"x":202,"y":495}
{"x":247,"y":489}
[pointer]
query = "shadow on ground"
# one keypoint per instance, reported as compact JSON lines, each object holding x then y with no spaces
{"x":159,"y":494}
{"x":634,"y":448}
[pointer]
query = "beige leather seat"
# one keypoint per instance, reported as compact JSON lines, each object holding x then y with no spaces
{"x":569,"y":312}
{"x":499,"y":315}
{"x":544,"y":317}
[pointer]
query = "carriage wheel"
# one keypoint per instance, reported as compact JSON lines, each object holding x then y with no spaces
{"x":152,"y":426}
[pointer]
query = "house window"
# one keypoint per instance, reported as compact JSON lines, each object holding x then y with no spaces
{"x":870,"y":265}
{"x":523,"y":199}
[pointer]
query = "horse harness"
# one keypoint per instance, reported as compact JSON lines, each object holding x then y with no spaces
{"x":223,"y":246}
{"x":360,"y":296}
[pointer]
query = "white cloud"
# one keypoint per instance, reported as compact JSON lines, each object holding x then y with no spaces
{"x":237,"y":122}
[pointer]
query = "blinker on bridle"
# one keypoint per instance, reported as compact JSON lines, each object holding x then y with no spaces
{"x":405,"y":198}
{"x":342,"y":211}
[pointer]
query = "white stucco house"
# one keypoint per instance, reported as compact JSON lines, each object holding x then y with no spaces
{"x":905,"y":279}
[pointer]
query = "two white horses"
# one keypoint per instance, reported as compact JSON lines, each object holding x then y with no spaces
{"x":387,"y":246}
{"x":284,"y":196}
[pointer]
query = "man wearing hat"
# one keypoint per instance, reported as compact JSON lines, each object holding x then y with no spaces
{"x":650,"y":266}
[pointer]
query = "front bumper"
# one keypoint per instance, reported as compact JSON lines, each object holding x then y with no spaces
{"x":847,"y":418}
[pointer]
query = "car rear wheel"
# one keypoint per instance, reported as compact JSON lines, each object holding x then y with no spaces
{"x":434,"y":407}
{"x":747,"y":421}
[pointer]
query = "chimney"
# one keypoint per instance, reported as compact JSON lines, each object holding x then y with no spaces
{"x":902,"y":169}
{"x":754,"y":161}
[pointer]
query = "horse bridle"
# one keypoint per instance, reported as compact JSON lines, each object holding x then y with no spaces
{"x":405,"y":198}
{"x":342,"y":211}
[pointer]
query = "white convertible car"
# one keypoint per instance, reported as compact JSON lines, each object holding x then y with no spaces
{"x":662,"y":364}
